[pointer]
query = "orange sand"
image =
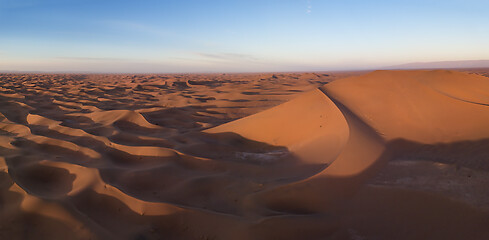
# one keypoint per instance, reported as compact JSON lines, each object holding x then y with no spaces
{"x":384,"y":155}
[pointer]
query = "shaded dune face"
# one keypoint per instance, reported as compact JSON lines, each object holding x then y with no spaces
{"x":174,"y":157}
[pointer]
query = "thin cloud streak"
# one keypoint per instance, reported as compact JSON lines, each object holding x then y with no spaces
{"x":95,"y":59}
{"x":234,"y":57}
{"x":138,"y":27}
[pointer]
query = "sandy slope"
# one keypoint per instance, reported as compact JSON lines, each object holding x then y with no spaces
{"x":160,"y":157}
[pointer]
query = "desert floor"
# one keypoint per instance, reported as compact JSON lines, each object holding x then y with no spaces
{"x":342,"y":155}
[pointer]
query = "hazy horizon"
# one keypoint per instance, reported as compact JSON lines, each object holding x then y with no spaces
{"x":237,"y":36}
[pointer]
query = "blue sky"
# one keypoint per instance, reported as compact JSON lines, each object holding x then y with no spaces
{"x":237,"y":36}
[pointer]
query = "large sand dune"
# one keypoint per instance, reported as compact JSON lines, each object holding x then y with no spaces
{"x":385,"y":155}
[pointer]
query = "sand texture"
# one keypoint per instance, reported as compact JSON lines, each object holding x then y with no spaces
{"x":378,"y":155}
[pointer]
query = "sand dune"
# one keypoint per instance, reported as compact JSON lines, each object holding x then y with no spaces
{"x":422,"y":106}
{"x":385,"y":155}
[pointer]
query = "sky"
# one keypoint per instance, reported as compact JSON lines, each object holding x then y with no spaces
{"x":237,"y":36}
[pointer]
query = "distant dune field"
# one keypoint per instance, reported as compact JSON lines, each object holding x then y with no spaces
{"x":343,"y":155}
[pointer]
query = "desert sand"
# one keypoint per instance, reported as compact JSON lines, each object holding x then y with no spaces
{"x":353,"y":155}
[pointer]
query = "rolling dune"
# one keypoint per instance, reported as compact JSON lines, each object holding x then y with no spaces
{"x":384,"y":155}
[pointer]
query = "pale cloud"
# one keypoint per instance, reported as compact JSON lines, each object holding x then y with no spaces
{"x":137,"y":27}
{"x":309,"y":7}
{"x":231,"y":57}
{"x":153,"y":31}
{"x":93,"y":59}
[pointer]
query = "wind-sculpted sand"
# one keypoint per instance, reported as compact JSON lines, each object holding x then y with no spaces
{"x":385,"y":155}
